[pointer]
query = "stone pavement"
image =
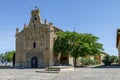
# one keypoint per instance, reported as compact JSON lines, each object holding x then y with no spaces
{"x":77,"y":74}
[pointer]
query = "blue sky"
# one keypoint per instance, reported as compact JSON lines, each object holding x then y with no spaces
{"x":99,"y":17}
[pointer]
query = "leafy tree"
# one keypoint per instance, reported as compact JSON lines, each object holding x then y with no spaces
{"x":77,"y":44}
{"x":1,"y":55}
{"x":62,"y":44}
{"x":86,"y":44}
{"x":2,"y":58}
{"x":9,"y":56}
{"x":114,"y":59}
{"x":108,"y":60}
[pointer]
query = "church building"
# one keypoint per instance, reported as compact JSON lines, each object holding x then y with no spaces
{"x":34,"y":44}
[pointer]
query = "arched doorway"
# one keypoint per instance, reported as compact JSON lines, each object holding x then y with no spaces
{"x":34,"y":62}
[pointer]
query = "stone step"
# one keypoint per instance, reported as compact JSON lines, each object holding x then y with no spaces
{"x":59,"y":68}
{"x":47,"y":71}
{"x":5,"y":67}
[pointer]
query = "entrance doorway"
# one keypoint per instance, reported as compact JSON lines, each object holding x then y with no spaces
{"x":34,"y":62}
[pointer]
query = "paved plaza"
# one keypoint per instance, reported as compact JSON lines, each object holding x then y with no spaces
{"x":77,"y":74}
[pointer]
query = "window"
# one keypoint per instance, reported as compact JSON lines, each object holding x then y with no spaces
{"x":34,"y":45}
{"x":35,"y":18}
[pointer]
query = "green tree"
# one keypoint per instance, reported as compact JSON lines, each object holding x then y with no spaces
{"x":108,"y":60}
{"x":114,"y":59}
{"x":85,"y":44}
{"x":62,"y":44}
{"x":1,"y":55}
{"x":76,"y":44}
{"x":2,"y":58}
{"x":9,"y":56}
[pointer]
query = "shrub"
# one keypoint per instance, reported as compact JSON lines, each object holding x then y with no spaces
{"x":114,"y":59}
{"x":86,"y":61}
{"x":93,"y":62}
{"x":108,"y":60}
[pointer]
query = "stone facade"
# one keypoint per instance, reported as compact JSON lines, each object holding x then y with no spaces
{"x":34,"y":44}
{"x":100,"y":57}
{"x":118,"y":43}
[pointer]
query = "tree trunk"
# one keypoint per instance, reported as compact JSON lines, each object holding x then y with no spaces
{"x":59,"y":58}
{"x":75,"y":61}
{"x":13,"y":59}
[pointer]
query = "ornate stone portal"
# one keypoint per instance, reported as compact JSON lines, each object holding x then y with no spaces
{"x":34,"y":44}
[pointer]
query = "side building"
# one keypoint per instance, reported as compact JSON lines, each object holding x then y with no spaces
{"x":97,"y":57}
{"x":118,"y":43}
{"x":34,"y":44}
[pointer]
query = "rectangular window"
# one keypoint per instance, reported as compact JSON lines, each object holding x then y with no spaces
{"x":34,"y":45}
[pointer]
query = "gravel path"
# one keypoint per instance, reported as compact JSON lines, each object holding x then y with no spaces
{"x":77,"y":74}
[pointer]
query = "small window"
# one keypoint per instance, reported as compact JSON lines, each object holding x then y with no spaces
{"x":35,"y":18}
{"x":34,"y":45}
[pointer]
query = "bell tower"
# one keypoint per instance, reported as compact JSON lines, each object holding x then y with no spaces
{"x":35,"y":16}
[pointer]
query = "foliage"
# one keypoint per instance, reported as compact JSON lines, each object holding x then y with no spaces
{"x":77,"y":45}
{"x":86,"y":61}
{"x":114,"y":59}
{"x":2,"y":58}
{"x":7,"y":56}
{"x":108,"y":60}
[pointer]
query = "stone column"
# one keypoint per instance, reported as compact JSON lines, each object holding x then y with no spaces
{"x":51,"y":38}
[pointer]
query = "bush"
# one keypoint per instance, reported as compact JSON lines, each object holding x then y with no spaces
{"x":93,"y":62}
{"x":86,"y":62}
{"x":114,"y":59}
{"x":108,"y":60}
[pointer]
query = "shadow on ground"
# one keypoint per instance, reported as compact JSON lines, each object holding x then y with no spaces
{"x":111,"y":66}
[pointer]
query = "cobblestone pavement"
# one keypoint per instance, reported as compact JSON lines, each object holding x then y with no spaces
{"x":77,"y":74}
